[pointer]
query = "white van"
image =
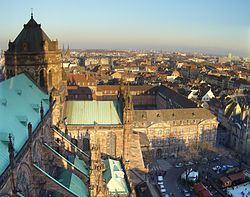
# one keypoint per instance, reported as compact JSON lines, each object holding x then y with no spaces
{"x":160,"y":178}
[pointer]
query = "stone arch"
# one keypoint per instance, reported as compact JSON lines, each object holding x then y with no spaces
{"x":24,"y":179}
{"x":47,"y":134}
{"x":86,"y":144}
{"x":37,"y":152}
{"x":50,"y":75}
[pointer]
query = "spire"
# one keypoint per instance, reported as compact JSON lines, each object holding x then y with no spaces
{"x":41,"y":110}
{"x":32,"y":13}
{"x":11,"y":158}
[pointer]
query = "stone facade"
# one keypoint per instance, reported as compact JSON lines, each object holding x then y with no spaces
{"x":36,"y":55}
{"x":170,"y":132}
{"x":24,"y":178}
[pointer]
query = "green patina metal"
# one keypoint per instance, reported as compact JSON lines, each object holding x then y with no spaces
{"x":73,"y":161}
{"x":80,"y":164}
{"x":114,"y":177}
{"x":72,"y":182}
{"x":19,"y":99}
{"x":93,"y":112}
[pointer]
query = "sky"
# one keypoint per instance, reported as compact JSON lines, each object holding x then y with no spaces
{"x":206,"y":26}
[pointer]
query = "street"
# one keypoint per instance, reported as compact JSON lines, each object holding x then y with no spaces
{"x":171,"y":176}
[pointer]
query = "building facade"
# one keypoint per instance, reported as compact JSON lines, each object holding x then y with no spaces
{"x":171,"y":131}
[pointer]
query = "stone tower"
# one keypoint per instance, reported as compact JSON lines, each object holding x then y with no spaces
{"x":132,"y":154}
{"x":127,"y":120}
{"x":34,"y":53}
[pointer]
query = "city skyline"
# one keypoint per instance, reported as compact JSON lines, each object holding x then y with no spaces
{"x":209,"y":27}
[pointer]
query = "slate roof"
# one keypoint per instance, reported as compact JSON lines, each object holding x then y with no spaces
{"x":93,"y":112}
{"x":174,"y":99}
{"x":19,"y":104}
{"x":33,"y":35}
{"x":156,"y":116}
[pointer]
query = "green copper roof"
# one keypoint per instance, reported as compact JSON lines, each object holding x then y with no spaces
{"x":73,"y":182}
{"x":68,"y":181}
{"x":19,"y":104}
{"x":93,"y":112}
{"x":114,"y":177}
{"x":54,"y":180}
{"x":73,"y":161}
{"x":80,"y":164}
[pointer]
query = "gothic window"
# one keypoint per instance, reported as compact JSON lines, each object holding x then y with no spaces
{"x":111,"y":143}
{"x":11,"y":73}
{"x":41,"y":78}
{"x":86,"y":144}
{"x":50,"y":78}
{"x":74,"y":141}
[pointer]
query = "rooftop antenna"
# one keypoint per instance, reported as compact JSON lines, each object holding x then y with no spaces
{"x":31,"y":12}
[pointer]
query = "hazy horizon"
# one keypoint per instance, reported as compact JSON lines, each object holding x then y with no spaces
{"x":211,"y":27}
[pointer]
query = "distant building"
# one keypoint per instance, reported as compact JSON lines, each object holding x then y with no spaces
{"x":171,"y":131}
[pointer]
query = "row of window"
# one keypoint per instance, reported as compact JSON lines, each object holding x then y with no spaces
{"x":174,"y":131}
{"x":181,"y":140}
{"x":78,"y":83}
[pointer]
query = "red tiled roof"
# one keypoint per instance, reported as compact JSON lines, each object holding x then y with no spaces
{"x":205,"y":193}
{"x":237,"y":176}
{"x":199,"y":187}
{"x":80,"y":78}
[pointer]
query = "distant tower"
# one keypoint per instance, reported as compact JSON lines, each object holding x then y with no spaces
{"x":34,"y":53}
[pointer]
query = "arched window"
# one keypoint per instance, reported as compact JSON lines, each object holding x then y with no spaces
{"x":41,"y":78}
{"x":111,"y":143}
{"x":50,"y":78}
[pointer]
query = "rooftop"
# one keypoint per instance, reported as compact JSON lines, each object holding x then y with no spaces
{"x":239,"y":190}
{"x":114,"y":177}
{"x":19,"y":104}
{"x":93,"y":112}
{"x":148,"y":116}
{"x":31,"y":39}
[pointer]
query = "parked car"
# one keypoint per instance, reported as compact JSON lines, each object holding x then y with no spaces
{"x":163,"y":190}
{"x":160,"y":178}
{"x":216,"y":168}
{"x":216,"y":159}
{"x":190,"y":163}
{"x":204,"y":160}
{"x":160,"y":183}
{"x":186,"y":193}
{"x":179,"y":165}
